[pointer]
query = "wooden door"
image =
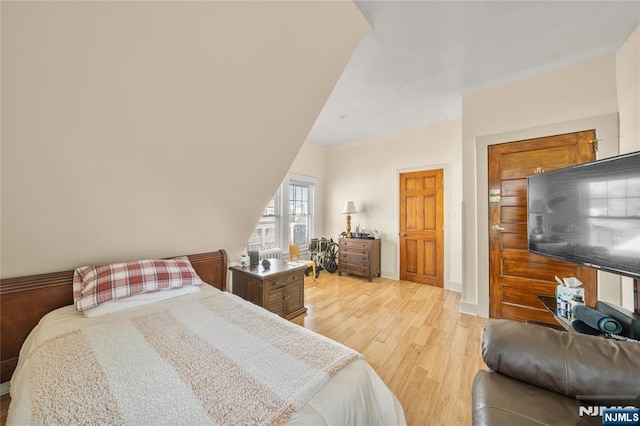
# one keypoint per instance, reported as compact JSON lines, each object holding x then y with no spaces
{"x":517,"y":277}
{"x":422,"y":227}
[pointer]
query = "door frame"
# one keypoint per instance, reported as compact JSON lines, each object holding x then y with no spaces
{"x":476,"y":213}
{"x":446,"y":170}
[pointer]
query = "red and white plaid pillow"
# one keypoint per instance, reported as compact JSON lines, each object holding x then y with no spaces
{"x":95,"y":285}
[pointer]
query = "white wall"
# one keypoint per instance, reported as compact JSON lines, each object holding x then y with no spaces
{"x":367,"y":172}
{"x":582,"y":97}
{"x":628,"y":88}
{"x":571,"y":99}
{"x":139,"y":129}
{"x":564,"y":100}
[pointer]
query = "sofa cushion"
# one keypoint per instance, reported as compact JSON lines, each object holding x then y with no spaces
{"x":576,"y":365}
{"x":501,"y":400}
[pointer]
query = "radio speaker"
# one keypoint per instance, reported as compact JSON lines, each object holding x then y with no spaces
{"x":629,"y":321}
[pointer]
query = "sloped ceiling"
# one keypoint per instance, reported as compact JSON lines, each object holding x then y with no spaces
{"x":140,"y":129}
{"x":423,"y":56}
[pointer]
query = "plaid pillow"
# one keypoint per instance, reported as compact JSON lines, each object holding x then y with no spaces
{"x":95,"y":285}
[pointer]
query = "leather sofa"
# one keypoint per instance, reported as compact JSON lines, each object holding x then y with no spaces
{"x":542,"y":376}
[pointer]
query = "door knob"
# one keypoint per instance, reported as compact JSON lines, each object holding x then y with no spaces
{"x":402,"y":234}
{"x":497,"y":227}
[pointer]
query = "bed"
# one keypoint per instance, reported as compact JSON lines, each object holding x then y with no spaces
{"x":203,"y":356}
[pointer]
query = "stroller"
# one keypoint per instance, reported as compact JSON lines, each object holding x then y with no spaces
{"x":324,"y":252}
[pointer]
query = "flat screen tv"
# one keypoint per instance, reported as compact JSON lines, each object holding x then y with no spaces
{"x":588,"y":214}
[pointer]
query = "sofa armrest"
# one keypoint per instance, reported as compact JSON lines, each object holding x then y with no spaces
{"x":571,"y":364}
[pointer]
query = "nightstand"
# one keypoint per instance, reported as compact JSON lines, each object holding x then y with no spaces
{"x":279,"y":289}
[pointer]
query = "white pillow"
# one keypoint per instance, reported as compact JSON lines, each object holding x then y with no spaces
{"x":138,"y":300}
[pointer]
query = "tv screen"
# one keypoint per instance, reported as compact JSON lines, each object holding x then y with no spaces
{"x":588,"y":214}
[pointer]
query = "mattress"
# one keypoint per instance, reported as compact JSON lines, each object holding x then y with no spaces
{"x":341,"y":391}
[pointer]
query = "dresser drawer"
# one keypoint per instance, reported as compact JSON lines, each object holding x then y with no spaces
{"x":355,"y":244}
{"x":354,"y":258}
{"x":350,"y":251}
{"x":356,"y":269}
{"x":353,"y":250}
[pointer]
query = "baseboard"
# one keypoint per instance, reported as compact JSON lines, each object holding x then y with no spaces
{"x":390,"y":274}
{"x":4,"y":388}
{"x":454,"y":286}
{"x":469,"y":308}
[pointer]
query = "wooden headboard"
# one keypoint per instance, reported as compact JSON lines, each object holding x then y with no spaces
{"x":24,"y":300}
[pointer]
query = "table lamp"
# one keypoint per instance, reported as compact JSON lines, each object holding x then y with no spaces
{"x":349,"y":208}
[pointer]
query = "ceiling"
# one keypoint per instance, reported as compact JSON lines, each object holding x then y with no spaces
{"x":423,"y":56}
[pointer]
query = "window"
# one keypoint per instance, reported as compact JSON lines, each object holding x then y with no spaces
{"x":265,"y":236}
{"x":289,"y":217}
{"x":300,"y":212}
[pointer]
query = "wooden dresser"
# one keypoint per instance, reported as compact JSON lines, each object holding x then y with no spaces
{"x":279,"y":289}
{"x":359,"y":256}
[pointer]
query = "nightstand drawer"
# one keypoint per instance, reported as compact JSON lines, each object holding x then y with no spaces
{"x":297,"y":277}
{"x":276,"y":283}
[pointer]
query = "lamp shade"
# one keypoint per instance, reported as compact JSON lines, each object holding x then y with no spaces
{"x":349,"y":208}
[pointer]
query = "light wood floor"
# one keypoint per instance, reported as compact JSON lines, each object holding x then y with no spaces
{"x":411,"y":334}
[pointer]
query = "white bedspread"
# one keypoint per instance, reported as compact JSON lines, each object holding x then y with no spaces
{"x":208,"y":358}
